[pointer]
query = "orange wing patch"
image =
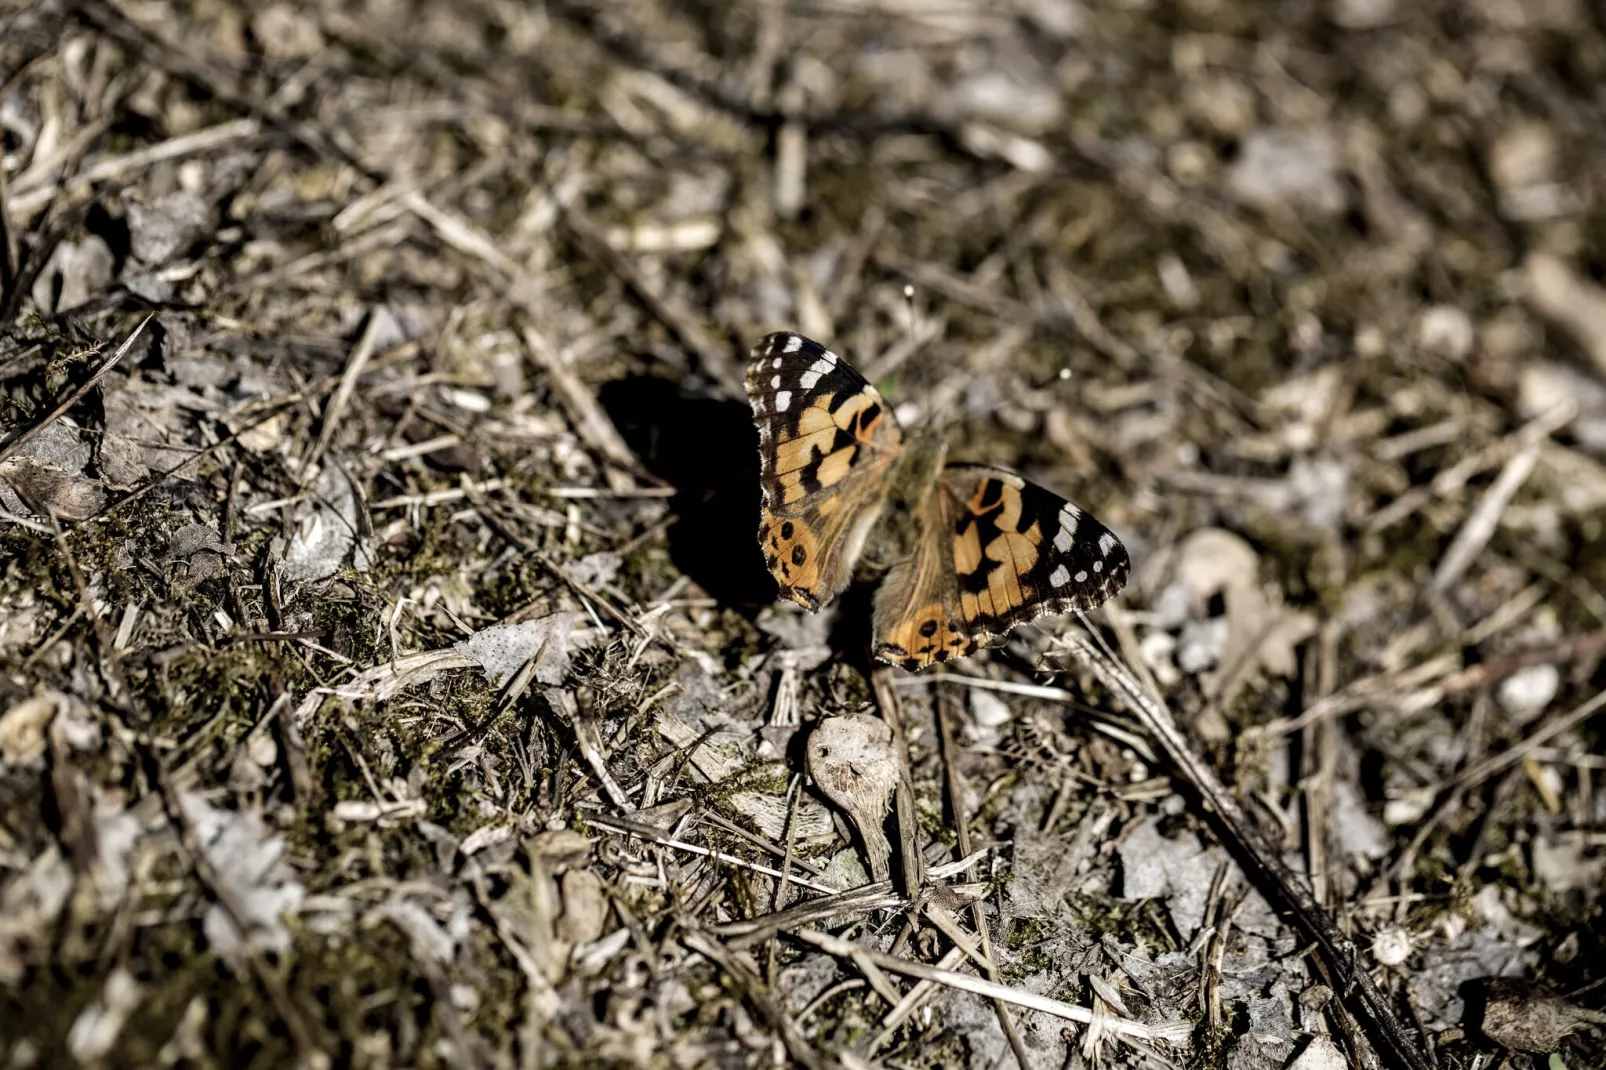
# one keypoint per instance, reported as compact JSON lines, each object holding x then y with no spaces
{"x":822,"y":451}
{"x":923,"y":636}
{"x":993,"y":556}
{"x":826,"y":441}
{"x":792,"y":553}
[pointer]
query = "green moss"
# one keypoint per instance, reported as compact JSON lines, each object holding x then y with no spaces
{"x":1027,"y":939}
{"x":1129,"y":922}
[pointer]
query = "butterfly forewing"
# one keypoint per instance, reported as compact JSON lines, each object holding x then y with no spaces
{"x":826,"y":441}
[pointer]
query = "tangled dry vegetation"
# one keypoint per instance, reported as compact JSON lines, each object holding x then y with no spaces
{"x":388,"y":673}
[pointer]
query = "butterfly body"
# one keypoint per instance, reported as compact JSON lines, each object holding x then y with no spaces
{"x":908,"y":489}
{"x":970,"y":551}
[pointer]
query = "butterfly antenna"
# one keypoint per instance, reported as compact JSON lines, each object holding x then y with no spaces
{"x":909,"y":303}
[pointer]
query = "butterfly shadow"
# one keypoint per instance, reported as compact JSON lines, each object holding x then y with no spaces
{"x":706,"y":448}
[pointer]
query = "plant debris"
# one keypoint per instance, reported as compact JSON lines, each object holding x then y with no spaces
{"x":389,"y":675}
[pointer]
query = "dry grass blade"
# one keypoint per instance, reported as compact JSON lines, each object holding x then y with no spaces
{"x":1174,"y":1033}
{"x":648,"y":833}
{"x":946,"y":715}
{"x":486,"y":720}
{"x":30,"y":198}
{"x":1480,"y":525}
{"x":361,"y":354}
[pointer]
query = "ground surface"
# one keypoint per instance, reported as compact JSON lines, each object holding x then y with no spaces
{"x":377,"y":509}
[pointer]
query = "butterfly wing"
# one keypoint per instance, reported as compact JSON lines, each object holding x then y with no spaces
{"x":994,"y":551}
{"x":826,"y":443}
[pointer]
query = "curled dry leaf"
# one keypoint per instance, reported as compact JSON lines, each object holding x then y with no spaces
{"x":248,"y":862}
{"x":1521,"y":1015}
{"x":22,"y":729}
{"x":429,"y":941}
{"x":852,"y":760}
{"x":503,"y":649}
{"x":75,"y":273}
{"x":585,"y":907}
{"x":46,"y":490}
{"x":331,"y":529}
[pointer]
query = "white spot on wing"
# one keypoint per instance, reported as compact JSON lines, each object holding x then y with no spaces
{"x":1106,"y":543}
{"x":783,"y":400}
{"x":1067,"y":532}
{"x":793,"y":344}
{"x":777,"y":363}
{"x":1098,"y":566}
{"x":1059,"y":577}
{"x":1081,"y":577}
{"x":808,"y":380}
{"x":775,"y":382}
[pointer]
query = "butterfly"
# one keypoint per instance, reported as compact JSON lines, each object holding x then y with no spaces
{"x":971,"y":550}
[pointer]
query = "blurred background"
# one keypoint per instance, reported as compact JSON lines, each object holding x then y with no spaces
{"x":378,"y":496}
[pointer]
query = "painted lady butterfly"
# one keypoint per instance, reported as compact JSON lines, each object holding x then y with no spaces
{"x":974,"y":550}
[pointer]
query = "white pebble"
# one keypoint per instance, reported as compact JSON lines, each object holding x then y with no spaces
{"x":1446,"y":330}
{"x":1527,"y":691}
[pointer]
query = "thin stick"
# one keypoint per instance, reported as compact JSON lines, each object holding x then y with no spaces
{"x":26,"y":201}
{"x":1480,"y":525}
{"x":591,"y":422}
{"x":912,"y":999}
{"x":589,"y":736}
{"x":361,"y":353}
{"x":956,"y":802}
{"x":73,"y":398}
{"x":861,"y":900}
{"x":1263,"y":864}
{"x":794,"y":793}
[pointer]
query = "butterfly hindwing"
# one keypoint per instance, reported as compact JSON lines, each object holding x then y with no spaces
{"x":995,"y":551}
{"x":826,"y":442}
{"x":917,"y":617}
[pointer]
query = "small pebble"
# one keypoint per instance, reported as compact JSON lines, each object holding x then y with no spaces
{"x":1527,"y":691}
{"x":1447,"y":331}
{"x":1320,"y":1054}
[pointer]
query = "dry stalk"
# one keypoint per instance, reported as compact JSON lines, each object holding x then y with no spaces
{"x":1262,"y":863}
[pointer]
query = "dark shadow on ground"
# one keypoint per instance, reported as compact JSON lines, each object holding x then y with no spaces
{"x":708,"y":449}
